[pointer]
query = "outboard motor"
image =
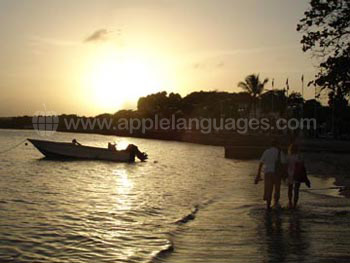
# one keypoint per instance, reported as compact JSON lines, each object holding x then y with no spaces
{"x":136,"y":152}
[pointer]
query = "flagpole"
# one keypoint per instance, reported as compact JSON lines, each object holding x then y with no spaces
{"x":272,"y":93}
{"x":302,"y":95}
{"x":315,"y":111}
{"x":287,"y":90}
{"x":315,"y":99}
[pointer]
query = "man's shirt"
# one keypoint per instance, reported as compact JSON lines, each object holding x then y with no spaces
{"x":269,"y":158}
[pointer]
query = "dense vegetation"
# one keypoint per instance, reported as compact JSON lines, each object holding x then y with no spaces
{"x":214,"y":104}
{"x":326,"y":35}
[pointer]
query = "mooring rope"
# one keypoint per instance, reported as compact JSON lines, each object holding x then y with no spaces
{"x":12,"y":147}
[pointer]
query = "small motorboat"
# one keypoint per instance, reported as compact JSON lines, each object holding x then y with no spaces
{"x":74,"y":150}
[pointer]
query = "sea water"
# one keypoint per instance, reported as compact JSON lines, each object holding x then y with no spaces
{"x":185,"y":204}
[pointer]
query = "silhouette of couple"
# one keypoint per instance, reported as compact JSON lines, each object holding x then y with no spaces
{"x":277,"y":166}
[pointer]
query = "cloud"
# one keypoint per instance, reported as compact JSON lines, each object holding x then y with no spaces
{"x":39,"y":40}
{"x":209,"y":64}
{"x":98,"y":35}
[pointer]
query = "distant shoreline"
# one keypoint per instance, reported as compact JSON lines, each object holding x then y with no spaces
{"x":213,"y":139}
{"x":229,"y":140}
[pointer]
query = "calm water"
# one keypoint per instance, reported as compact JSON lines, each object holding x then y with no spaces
{"x":186,"y":204}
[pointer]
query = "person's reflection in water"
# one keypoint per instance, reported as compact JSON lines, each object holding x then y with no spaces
{"x":285,"y":242}
{"x":298,"y":244}
{"x":276,"y":245}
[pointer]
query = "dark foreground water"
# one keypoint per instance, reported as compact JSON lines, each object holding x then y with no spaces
{"x":186,"y":204}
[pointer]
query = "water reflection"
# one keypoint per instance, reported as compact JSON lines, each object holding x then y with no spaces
{"x":298,"y":239}
{"x":123,"y":189}
{"x":283,"y":237}
{"x":91,"y":211}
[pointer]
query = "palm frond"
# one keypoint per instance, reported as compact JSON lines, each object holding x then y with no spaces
{"x":243,"y":85}
{"x":253,"y":85}
{"x":265,"y":81}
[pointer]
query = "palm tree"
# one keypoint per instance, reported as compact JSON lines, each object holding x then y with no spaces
{"x":254,"y":87}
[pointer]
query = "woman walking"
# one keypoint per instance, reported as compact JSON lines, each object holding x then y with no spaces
{"x":296,"y":174}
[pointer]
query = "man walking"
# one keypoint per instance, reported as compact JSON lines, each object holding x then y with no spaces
{"x":272,"y":160}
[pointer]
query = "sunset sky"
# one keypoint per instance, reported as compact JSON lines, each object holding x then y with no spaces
{"x":89,"y":57}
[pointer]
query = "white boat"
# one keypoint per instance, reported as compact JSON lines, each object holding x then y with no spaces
{"x":74,"y":150}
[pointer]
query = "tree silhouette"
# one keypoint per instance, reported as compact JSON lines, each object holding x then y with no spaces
{"x":326,"y":34}
{"x":274,"y":101}
{"x":295,"y":102}
{"x":254,"y":87}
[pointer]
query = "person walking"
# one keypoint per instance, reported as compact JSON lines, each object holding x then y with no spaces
{"x":273,"y":161}
{"x":296,"y":174}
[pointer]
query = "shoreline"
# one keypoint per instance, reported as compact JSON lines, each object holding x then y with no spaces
{"x":229,"y":140}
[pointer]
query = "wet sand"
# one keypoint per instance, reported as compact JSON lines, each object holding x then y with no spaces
{"x":228,"y":231}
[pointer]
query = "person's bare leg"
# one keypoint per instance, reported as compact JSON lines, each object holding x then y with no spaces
{"x":268,"y":186}
{"x":277,"y":186}
{"x":268,"y":204}
{"x":296,"y":194}
{"x":290,"y":195}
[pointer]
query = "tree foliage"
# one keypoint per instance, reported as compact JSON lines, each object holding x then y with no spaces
{"x":159,"y":103}
{"x":253,"y":85}
{"x":274,"y":101}
{"x":326,"y":34}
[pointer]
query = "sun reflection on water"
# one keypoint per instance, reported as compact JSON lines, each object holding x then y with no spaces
{"x":123,"y":189}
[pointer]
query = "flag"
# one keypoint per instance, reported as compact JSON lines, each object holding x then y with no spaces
{"x":302,"y":78}
{"x":287,"y":84}
{"x":273,"y":83}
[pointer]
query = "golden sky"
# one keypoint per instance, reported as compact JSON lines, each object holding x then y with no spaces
{"x":89,"y":57}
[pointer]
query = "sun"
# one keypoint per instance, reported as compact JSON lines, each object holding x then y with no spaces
{"x":118,"y":78}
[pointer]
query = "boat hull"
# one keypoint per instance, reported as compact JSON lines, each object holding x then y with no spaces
{"x":62,"y":150}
